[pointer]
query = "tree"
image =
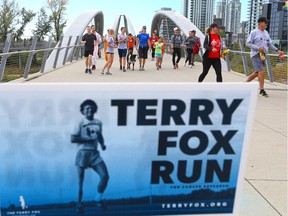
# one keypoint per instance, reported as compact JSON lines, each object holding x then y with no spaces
{"x":58,"y":8}
{"x":43,"y":26}
{"x":26,"y":17}
{"x":222,"y":33}
{"x":8,"y":12}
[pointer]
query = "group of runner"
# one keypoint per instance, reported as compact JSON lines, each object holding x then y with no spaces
{"x":259,"y":41}
{"x":143,"y":43}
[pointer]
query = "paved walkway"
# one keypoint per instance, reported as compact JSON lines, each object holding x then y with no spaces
{"x":265,"y":188}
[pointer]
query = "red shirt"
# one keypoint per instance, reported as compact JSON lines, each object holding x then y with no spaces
{"x":130,"y":42}
{"x":163,"y":48}
{"x":215,"y":42}
{"x":153,"y":40}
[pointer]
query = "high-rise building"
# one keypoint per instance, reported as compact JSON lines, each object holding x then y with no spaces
{"x":233,"y":16}
{"x":254,"y":12}
{"x":277,"y":27}
{"x":199,"y":12}
{"x":221,"y":9}
{"x":166,"y":27}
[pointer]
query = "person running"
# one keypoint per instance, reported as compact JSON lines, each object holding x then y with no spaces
{"x":143,"y":45}
{"x":153,"y":39}
{"x":158,"y":46}
{"x":196,"y":47}
{"x":211,"y":57}
{"x":110,"y":52}
{"x":259,"y":42}
{"x":88,"y":135}
{"x":176,"y":41}
{"x":122,"y":48}
{"x":130,"y":43}
{"x":190,"y":42}
{"x":90,"y":40}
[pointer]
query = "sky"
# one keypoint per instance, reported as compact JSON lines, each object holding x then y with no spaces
{"x":140,"y":12}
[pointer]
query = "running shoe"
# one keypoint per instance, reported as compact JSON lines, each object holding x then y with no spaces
{"x":263,"y":93}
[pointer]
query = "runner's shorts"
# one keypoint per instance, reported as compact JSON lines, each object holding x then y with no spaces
{"x":122,"y":53}
{"x":159,"y":55}
{"x":143,"y":52}
{"x":87,"y":158}
{"x":258,"y":64}
{"x":88,"y":52}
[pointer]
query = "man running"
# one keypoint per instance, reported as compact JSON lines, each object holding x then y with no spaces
{"x":90,"y":40}
{"x":122,"y":48}
{"x":259,"y":41}
{"x":88,"y":136}
{"x":143,"y":44}
{"x":176,"y":42}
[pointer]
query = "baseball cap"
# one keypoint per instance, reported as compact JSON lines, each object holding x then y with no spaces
{"x":263,"y":19}
{"x":193,"y":31}
{"x":144,"y":27}
{"x":176,"y":28}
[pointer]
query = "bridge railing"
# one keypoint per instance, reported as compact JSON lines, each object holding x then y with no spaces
{"x":32,"y":57}
{"x":240,"y":61}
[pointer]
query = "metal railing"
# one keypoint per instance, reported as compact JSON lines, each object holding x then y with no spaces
{"x":240,"y":61}
{"x":21,"y":63}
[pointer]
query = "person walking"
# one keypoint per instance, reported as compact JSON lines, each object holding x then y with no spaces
{"x":176,"y":42}
{"x":260,"y":42}
{"x":122,"y":48}
{"x":130,"y":43}
{"x":143,"y":45}
{"x":163,"y":52}
{"x":153,"y":39}
{"x":158,"y":46}
{"x":90,"y":40}
{"x":105,"y":45}
{"x":110,"y":52}
{"x":211,"y":57}
{"x":196,"y":47}
{"x":96,"y":47}
{"x":189,"y":42}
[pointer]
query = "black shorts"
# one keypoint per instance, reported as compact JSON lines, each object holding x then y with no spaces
{"x":88,"y":52}
{"x":122,"y":53}
{"x":143,"y":52}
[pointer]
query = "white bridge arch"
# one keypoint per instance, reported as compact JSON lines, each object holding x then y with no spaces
{"x":180,"y":21}
{"x":76,"y":30}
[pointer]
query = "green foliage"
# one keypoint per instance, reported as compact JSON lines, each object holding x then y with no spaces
{"x":57,"y":8}
{"x":222,"y":33}
{"x":26,"y":17}
{"x":43,"y":26}
{"x":9,"y":11}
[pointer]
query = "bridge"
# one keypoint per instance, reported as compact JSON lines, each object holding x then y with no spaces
{"x":265,"y":188}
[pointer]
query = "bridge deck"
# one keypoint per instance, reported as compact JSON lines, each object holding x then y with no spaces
{"x":265,"y":189}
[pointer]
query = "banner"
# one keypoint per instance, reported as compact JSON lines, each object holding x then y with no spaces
{"x":124,"y":149}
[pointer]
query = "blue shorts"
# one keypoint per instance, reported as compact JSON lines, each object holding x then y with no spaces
{"x":122,"y":53}
{"x":258,"y":64}
{"x":159,"y":55}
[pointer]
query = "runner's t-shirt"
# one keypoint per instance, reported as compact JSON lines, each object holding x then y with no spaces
{"x":110,"y":42}
{"x":215,"y":43}
{"x":122,"y":45}
{"x":89,"y":38}
{"x":158,"y":47}
{"x":143,"y":40}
